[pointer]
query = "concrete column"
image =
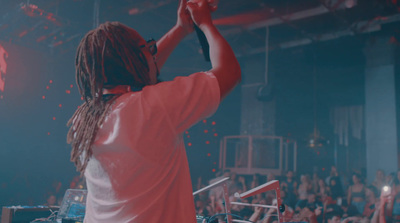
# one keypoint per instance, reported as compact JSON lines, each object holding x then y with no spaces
{"x":380,"y":107}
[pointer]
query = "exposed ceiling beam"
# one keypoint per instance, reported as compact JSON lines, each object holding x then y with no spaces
{"x":289,"y":17}
{"x":268,"y":22}
{"x":272,"y":21}
{"x":360,"y":27}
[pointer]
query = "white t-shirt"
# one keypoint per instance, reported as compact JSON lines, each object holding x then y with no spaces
{"x":139,"y":170}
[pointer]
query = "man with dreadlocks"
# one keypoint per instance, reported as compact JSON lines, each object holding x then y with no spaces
{"x":127,"y":136}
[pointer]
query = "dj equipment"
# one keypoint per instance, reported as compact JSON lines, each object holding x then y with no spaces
{"x":200,"y":218}
{"x":23,"y":214}
{"x":72,"y":210}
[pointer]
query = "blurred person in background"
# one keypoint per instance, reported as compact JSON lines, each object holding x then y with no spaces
{"x":336,"y":189}
{"x":289,"y":185}
{"x":304,"y":188}
{"x":372,"y":197}
{"x":332,"y":173}
{"x":314,"y":181}
{"x":256,"y":181}
{"x":380,"y":180}
{"x":356,"y":193}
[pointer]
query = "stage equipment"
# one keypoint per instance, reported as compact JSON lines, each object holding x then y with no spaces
{"x":272,"y":185}
{"x":72,"y":209}
{"x":316,"y":141}
{"x":221,"y":183}
{"x":251,"y":154}
{"x":265,"y":91}
{"x":23,"y":214}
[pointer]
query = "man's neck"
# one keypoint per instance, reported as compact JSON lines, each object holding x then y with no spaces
{"x":120,"y":89}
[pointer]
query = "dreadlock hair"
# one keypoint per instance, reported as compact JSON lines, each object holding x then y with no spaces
{"x":106,"y":57}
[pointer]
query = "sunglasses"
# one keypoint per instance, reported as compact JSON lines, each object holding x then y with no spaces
{"x":151,"y":45}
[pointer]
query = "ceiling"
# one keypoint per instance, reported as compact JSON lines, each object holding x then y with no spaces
{"x":59,"y":24}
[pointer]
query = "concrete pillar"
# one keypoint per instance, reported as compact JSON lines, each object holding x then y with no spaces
{"x":380,"y":107}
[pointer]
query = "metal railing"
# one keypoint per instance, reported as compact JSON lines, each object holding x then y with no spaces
{"x":252,"y":154}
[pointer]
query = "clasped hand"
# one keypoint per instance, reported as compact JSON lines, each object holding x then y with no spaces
{"x":194,"y":12}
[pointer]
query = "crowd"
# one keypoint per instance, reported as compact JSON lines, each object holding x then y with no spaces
{"x":307,"y":198}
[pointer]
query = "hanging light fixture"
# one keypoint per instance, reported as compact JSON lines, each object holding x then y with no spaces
{"x":315,"y":140}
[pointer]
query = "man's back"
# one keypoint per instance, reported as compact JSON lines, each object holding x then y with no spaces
{"x":139,"y":171}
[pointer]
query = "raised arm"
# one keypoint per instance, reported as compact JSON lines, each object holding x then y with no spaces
{"x":224,"y":63}
{"x":256,"y":215}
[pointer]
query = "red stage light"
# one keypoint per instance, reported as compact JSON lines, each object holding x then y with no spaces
{"x":213,"y":123}
{"x":208,"y":154}
{"x":68,"y":91}
{"x":47,"y":87}
{"x":60,"y":105}
{"x":48,"y":133}
{"x":189,"y":144}
{"x":188,"y":136}
{"x":71,"y":86}
{"x":213,"y":170}
{"x":23,"y":33}
{"x":215,"y":134}
{"x":207,"y":142}
{"x":43,"y":97}
{"x":58,"y":43}
{"x":40,"y":39}
{"x":3,"y":67}
{"x":51,"y":81}
{"x":204,"y":121}
{"x":133,"y":11}
{"x":206,"y":131}
{"x":54,"y":118}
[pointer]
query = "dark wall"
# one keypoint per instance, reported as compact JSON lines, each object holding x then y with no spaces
{"x":338,"y":67}
{"x":33,"y":150}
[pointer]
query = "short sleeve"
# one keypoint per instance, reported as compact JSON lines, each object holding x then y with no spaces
{"x":186,"y":100}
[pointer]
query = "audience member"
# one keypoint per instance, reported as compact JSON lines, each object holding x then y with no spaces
{"x":372,"y":197}
{"x":304,"y":188}
{"x":356,"y":193}
{"x":332,"y":173}
{"x":336,"y":190}
{"x":379,"y":180}
{"x":289,"y":185}
{"x":396,"y":197}
{"x":255,"y":181}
